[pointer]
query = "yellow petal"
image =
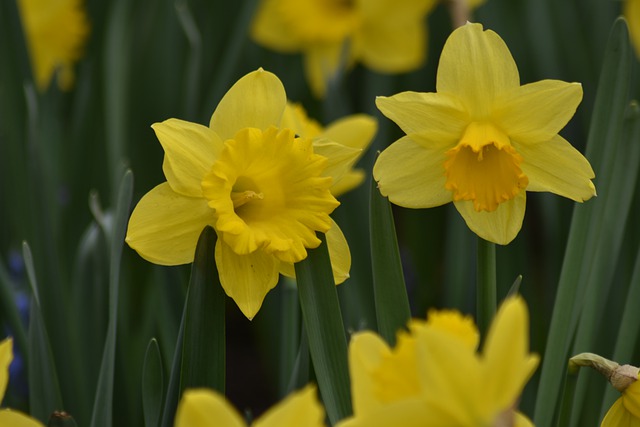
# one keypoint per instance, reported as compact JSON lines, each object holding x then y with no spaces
{"x":6,"y":356}
{"x":348,"y":182}
{"x":631,"y":399}
{"x":412,"y":175}
{"x":164,"y":226}
{"x":556,"y":166}
{"x":295,"y":118}
{"x":354,"y":131}
{"x":433,"y":119}
{"x":300,"y":409}
{"x":414,"y":412}
{"x":508,"y":364}
{"x":189,"y":151}
{"x":537,"y":111}
{"x":338,"y":253}
{"x":256,"y":100}
{"x":618,"y":416}
{"x":500,"y":226}
{"x":476,"y":66}
{"x":320,"y":65}
{"x":12,"y":418}
{"x":522,"y":420}
{"x":366,"y":352}
{"x":393,"y":37}
{"x":631,"y":11}
{"x":451,"y":379}
{"x":270,"y":30}
{"x":206,"y":408}
{"x":340,"y":158}
{"x":246,"y":278}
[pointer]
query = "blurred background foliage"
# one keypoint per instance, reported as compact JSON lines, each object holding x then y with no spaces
{"x":63,"y":154}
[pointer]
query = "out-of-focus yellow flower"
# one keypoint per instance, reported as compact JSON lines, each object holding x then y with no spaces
{"x":265,"y":191}
{"x":482,"y":140}
{"x":625,"y":412}
{"x":55,"y":32}
{"x":435,"y":377}
{"x":9,"y":418}
{"x":355,"y":131}
{"x":385,"y":35}
{"x":206,"y":408}
{"x":631,"y":11}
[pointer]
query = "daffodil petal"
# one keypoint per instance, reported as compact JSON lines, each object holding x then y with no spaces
{"x":320,"y":64}
{"x":521,"y":420}
{"x":412,"y":412}
{"x":431,"y":118}
{"x":500,"y":226}
{"x":556,"y":166}
{"x":508,"y":364}
{"x":348,"y":182}
{"x":300,"y":409}
{"x":269,"y":29}
{"x":476,"y":67}
{"x":366,"y":351}
{"x":246,"y":278}
{"x":206,"y":408}
{"x":355,"y":131}
{"x":631,"y":399}
{"x":538,"y":111}
{"x":164,"y":227}
{"x":6,"y":356}
{"x":453,"y":374}
{"x":339,"y":255}
{"x":631,"y":11}
{"x":12,"y":418}
{"x":256,"y":100}
{"x":618,"y":416}
{"x":395,"y":43}
{"x":189,"y":151}
{"x":340,"y":158}
{"x":412,"y":175}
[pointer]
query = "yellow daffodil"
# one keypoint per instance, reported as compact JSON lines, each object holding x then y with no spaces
{"x":355,"y":131}
{"x":206,"y":408}
{"x":435,"y":377}
{"x":385,"y":35}
{"x":264,"y":190}
{"x":9,"y":418}
{"x":631,"y":11}
{"x":55,"y":31}
{"x":625,"y":412}
{"x":482,"y":140}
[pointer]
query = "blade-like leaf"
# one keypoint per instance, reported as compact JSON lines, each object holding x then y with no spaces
{"x":203,"y":348}
{"x":390,"y":293}
{"x":325,"y":331}
{"x":103,"y":404}
{"x":152,"y":385}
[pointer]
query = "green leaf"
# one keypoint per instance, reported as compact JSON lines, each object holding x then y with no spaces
{"x":203,"y":348}
{"x":173,"y":389}
{"x":389,"y":290}
{"x":619,"y":188}
{"x":9,"y":310}
{"x":103,"y":403}
{"x":323,"y":322}
{"x":152,"y":385}
{"x":611,"y":101}
{"x":44,"y":396}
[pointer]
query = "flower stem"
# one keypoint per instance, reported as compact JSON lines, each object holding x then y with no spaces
{"x":486,"y":284}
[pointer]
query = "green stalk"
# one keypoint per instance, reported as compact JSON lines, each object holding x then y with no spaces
{"x":486,"y":295}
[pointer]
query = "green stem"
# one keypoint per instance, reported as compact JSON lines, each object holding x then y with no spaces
{"x":486,"y":284}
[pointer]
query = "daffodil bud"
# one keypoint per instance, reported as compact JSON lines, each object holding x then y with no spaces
{"x":620,"y":376}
